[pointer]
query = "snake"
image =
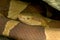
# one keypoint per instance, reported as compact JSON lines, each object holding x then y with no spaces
{"x":25,"y":13}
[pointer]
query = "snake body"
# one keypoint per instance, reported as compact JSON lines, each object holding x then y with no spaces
{"x":29,"y":16}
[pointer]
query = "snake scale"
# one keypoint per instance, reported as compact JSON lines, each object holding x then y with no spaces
{"x":14,"y":14}
{"x":9,"y":23}
{"x":20,"y":20}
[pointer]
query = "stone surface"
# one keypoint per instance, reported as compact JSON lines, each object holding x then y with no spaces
{"x":54,"y":3}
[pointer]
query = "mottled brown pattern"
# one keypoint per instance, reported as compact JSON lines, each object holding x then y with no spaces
{"x":19,"y":32}
{"x":27,"y":32}
{"x":54,"y":24}
{"x":23,"y":31}
{"x":3,"y":21}
{"x":4,"y":6}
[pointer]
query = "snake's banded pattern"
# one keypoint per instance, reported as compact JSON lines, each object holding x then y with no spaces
{"x":9,"y":26}
{"x":17,"y":29}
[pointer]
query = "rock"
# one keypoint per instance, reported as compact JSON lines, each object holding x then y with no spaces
{"x":54,"y":3}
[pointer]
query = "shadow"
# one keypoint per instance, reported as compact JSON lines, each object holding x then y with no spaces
{"x":2,"y":37}
{"x":4,"y":7}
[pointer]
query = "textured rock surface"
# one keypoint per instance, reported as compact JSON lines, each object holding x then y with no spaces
{"x":54,"y":3}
